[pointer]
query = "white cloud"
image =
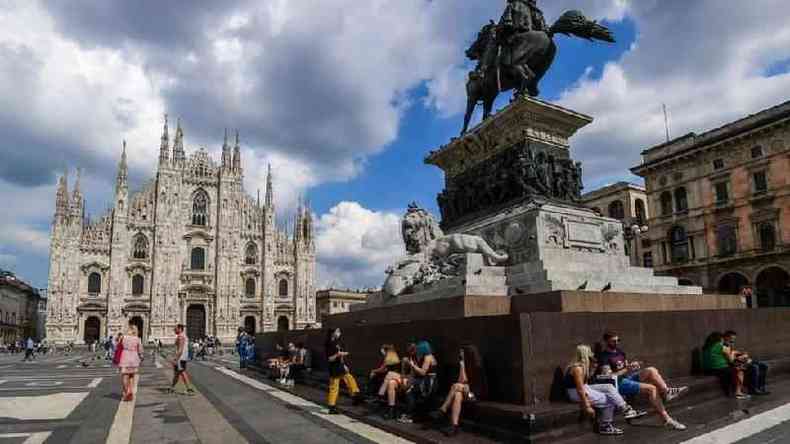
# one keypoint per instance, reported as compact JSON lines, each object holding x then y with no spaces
{"x":705,"y":61}
{"x":355,"y":245}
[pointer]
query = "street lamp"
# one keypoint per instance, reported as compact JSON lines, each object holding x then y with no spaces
{"x":633,"y":233}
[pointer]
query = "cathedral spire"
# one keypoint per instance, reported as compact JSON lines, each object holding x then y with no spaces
{"x":178,"y":144}
{"x":123,"y":171}
{"x":76,"y":195}
{"x":237,"y":154}
{"x":62,"y":196}
{"x":226,"y":160}
{"x":164,"y":147}
{"x":269,"y":202}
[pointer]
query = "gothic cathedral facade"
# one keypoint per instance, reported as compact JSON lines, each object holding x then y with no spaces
{"x":190,"y":248}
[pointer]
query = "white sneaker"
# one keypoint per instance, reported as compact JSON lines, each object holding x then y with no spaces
{"x":631,"y":413}
{"x":674,"y":425}
{"x":675,"y":392}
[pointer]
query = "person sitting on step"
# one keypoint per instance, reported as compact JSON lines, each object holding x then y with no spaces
{"x":597,"y":400}
{"x":633,"y":380}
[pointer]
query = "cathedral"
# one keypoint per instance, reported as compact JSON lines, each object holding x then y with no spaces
{"x":190,"y":247}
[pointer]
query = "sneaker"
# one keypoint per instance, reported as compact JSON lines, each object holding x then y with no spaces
{"x":631,"y":413}
{"x":742,"y":396}
{"x":675,"y":392}
{"x":609,"y":429}
{"x":405,"y":419}
{"x":674,"y":425}
{"x":333,"y":411}
{"x":389,"y":414}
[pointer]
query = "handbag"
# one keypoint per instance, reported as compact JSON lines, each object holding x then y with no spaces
{"x":116,"y":358}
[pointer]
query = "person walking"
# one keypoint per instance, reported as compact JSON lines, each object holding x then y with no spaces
{"x":180,"y":361}
{"x":129,"y":364}
{"x":336,"y":354}
{"x":29,"y":349}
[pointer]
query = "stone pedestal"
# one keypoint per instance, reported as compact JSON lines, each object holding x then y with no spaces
{"x":556,"y":246}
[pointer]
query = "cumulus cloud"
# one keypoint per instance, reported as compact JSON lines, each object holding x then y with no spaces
{"x":355,"y":245}
{"x":706,"y":60}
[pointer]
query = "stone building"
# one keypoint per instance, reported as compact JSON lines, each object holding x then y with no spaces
{"x":720,"y":206}
{"x":626,"y":202}
{"x":190,"y":247}
{"x":18,"y":309}
{"x":331,"y":301}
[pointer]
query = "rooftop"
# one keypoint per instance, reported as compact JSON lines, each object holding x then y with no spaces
{"x":607,"y":190}
{"x":692,"y":141}
{"x":8,"y":278}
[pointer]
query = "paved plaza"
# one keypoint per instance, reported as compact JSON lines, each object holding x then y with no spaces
{"x":75,"y":399}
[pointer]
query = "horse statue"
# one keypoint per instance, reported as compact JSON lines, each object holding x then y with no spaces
{"x":521,"y":60}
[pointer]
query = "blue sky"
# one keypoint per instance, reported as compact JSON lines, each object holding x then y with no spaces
{"x":398,"y":176}
{"x":343,"y":98}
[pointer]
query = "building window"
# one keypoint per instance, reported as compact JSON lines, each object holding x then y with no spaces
{"x":138,"y":282}
{"x":760,"y":182}
{"x":722,"y":193}
{"x":198,"y":259}
{"x":140,"y":250}
{"x":647,"y":260}
{"x":767,"y":236}
{"x":727,"y":240}
{"x":249,"y":288}
{"x":617,"y":210}
{"x":200,"y":208}
{"x":251,"y":254}
{"x":283,"y":288}
{"x":757,"y":152}
{"x":718,"y":164}
{"x":681,"y":200}
{"x":94,"y":283}
{"x":641,"y":214}
{"x":679,"y":245}
{"x":334,"y":304}
{"x":666,"y":203}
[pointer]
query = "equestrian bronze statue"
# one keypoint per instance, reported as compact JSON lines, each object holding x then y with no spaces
{"x":517,"y":52}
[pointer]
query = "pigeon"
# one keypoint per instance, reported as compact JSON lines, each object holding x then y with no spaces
{"x":607,"y":287}
{"x":583,"y":286}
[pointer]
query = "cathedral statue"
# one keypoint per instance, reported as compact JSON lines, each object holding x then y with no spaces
{"x":518,"y":51}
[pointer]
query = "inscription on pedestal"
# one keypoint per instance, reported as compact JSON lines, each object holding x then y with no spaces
{"x":583,"y":235}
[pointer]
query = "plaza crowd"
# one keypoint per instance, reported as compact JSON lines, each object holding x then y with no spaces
{"x":601,"y":379}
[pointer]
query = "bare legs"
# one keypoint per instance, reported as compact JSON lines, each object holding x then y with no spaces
{"x":453,"y":402}
{"x":652,"y":376}
{"x":738,"y":382}
{"x":392,"y":388}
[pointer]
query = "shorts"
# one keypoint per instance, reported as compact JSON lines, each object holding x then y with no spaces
{"x":181,"y":366}
{"x":629,"y":385}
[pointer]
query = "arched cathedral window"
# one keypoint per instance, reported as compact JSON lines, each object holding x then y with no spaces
{"x":249,"y":288}
{"x":94,"y":283}
{"x":283,"y":288}
{"x":138,"y":283}
{"x":140,"y":250}
{"x":251,"y":254}
{"x":200,"y":208}
{"x":198,"y":259}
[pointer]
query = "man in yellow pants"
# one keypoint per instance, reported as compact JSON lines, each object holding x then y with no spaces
{"x":335,"y":355}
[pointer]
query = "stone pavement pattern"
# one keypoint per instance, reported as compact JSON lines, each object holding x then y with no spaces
{"x":58,"y":400}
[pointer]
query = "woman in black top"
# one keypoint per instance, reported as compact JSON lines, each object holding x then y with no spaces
{"x":335,"y":355}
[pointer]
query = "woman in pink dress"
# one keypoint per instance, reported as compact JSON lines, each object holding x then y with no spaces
{"x":130,"y":361}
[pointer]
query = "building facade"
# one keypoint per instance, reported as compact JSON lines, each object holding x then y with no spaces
{"x":332,"y":301}
{"x":191,"y":247}
{"x":720,"y":207}
{"x":626,"y":202}
{"x":18,"y":309}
